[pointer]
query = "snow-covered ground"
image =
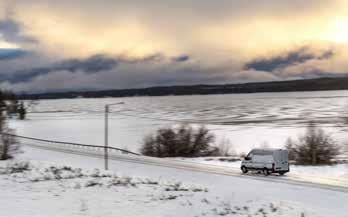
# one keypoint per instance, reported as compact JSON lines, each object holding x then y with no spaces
{"x":53,"y":185}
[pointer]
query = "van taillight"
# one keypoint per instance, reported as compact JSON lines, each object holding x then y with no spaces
{"x":273,"y":166}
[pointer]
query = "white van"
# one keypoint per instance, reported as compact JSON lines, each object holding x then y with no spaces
{"x":266,"y":160}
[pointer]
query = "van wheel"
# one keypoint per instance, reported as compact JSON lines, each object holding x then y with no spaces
{"x":244,"y":169}
{"x":265,"y":172}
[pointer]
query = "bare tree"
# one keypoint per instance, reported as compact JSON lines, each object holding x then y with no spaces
{"x":313,"y":148}
{"x":226,"y":148}
{"x":290,"y":146}
{"x":8,"y":144}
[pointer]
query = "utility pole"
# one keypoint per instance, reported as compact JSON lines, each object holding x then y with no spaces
{"x":106,"y":134}
{"x":106,"y":139}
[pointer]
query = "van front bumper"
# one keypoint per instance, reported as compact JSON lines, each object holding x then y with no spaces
{"x":281,"y":171}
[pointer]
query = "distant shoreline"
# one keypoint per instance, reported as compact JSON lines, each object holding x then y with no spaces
{"x":319,"y":84}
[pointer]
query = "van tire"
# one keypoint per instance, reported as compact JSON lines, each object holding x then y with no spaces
{"x":281,"y":173}
{"x":265,"y":171}
{"x":244,"y":169}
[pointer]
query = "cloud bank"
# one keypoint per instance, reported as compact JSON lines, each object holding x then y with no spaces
{"x":73,"y":45}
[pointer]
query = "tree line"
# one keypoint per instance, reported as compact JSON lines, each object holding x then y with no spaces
{"x":319,"y":84}
{"x":11,"y":106}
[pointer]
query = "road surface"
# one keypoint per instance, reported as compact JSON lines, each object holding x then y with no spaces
{"x":291,"y":178}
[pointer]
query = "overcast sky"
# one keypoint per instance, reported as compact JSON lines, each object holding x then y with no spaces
{"x":110,"y":44}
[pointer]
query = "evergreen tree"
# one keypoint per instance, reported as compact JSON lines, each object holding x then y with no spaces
{"x":22,"y":111}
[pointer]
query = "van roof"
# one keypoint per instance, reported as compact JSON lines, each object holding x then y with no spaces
{"x":267,"y":149}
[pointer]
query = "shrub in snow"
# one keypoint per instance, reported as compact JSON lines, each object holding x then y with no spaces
{"x":106,"y":173}
{"x":64,"y":172}
{"x":198,"y":189}
{"x":99,"y":173}
{"x":183,"y":141}
{"x":92,"y":182}
{"x":314,"y":148}
{"x":149,"y":182}
{"x":15,"y":167}
{"x":169,"y":197}
{"x":54,"y":173}
{"x":176,"y":187}
{"x":30,"y":172}
{"x":122,"y":181}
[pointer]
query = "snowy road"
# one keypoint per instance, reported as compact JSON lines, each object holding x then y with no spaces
{"x":295,"y":179}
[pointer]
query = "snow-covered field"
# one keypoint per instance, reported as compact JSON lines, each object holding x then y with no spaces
{"x":246,"y":120}
{"x":60,"y":184}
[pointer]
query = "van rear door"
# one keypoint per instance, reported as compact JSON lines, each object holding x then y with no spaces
{"x":284,"y":156}
{"x":281,"y":160}
{"x":277,"y":160}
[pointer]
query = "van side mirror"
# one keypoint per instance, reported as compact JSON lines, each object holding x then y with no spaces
{"x":247,"y":158}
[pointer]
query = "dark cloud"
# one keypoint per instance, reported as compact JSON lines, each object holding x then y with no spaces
{"x":11,"y":31}
{"x":7,"y":54}
{"x":326,"y":55}
{"x":90,"y":65}
{"x":105,"y":72}
{"x":182,"y":58}
{"x":299,"y":56}
{"x":93,"y":64}
{"x":135,"y":74}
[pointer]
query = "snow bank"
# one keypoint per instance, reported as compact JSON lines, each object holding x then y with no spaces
{"x":31,"y":171}
{"x":32,"y":188}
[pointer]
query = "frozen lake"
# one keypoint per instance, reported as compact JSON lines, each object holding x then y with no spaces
{"x":247,"y":120}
